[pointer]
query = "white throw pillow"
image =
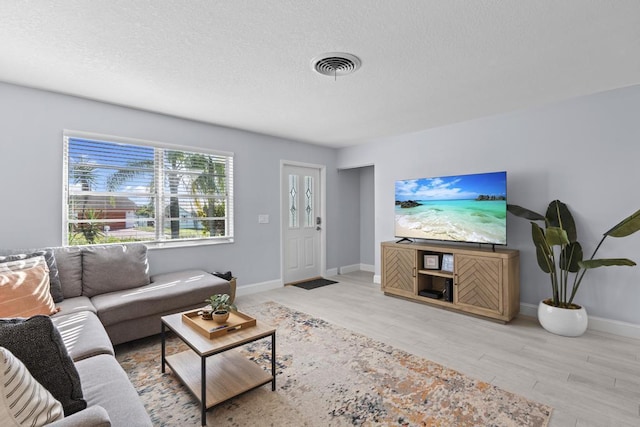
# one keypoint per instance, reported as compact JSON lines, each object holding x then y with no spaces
{"x":23,"y":401}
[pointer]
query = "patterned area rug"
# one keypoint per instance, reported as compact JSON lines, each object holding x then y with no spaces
{"x":329,"y":376}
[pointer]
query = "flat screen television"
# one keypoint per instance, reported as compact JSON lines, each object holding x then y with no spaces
{"x":461,"y":208}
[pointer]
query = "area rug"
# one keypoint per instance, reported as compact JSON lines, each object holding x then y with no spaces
{"x":314,"y":284}
{"x":329,"y":376}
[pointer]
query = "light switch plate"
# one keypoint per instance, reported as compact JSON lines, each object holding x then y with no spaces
{"x":263,"y":219}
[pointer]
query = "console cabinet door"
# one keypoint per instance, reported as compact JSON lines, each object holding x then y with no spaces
{"x":478,"y":284}
{"x":399,"y":271}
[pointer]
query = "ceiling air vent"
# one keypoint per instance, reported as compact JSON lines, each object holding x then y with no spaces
{"x":335,"y":64}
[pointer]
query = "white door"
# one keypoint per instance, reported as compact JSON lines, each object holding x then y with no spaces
{"x":301,"y":223}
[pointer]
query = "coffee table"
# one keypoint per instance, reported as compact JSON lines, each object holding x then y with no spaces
{"x":212,"y":370}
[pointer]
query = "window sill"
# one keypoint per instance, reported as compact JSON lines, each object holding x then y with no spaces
{"x":186,"y":243}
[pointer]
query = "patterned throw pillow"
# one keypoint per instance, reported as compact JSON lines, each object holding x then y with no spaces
{"x":55,"y":286}
{"x":24,"y":286}
{"x":23,"y":400}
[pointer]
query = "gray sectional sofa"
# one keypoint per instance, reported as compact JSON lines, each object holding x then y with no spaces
{"x":109,"y":298}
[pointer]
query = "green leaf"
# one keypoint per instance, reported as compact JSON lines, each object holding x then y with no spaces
{"x":556,"y":236}
{"x":558,"y":215}
{"x":544,"y":262}
{"x":595,"y":263}
{"x":543,"y":251}
{"x":524,"y":213}
{"x":570,"y":257}
{"x":626,"y":227}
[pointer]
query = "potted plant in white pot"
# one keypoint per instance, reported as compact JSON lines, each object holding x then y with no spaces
{"x":560,"y":255}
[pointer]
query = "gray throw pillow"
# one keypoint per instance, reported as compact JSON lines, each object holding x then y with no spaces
{"x":38,"y":344}
{"x":55,"y":287}
{"x":69,"y":261}
{"x":114,"y":268}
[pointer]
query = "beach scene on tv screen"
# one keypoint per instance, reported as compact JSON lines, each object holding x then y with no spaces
{"x":464,"y":208}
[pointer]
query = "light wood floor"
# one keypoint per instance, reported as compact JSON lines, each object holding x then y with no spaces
{"x":593,"y":380}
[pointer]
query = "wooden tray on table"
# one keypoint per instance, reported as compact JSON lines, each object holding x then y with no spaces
{"x":211,"y":329}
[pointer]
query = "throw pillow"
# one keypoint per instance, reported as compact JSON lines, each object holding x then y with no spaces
{"x":24,"y":286}
{"x":38,"y":344}
{"x":55,"y":287}
{"x":23,"y":400}
{"x":69,"y":262}
{"x":114,"y":268}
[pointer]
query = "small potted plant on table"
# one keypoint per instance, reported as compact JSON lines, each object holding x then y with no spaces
{"x":220,"y":306}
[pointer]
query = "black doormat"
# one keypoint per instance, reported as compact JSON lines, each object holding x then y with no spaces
{"x":315,"y":283}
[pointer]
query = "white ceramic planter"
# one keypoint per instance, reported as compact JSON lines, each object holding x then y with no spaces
{"x":562,"y":321}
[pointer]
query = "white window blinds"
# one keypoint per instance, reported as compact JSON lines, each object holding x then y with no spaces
{"x":121,"y":191}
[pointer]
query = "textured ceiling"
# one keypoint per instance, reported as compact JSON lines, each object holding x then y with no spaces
{"x":246,"y":64}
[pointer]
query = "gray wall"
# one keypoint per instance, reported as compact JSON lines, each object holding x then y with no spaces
{"x":583,"y":151}
{"x":31,"y":170}
{"x":357,"y":209}
{"x":367,"y":210}
{"x":349,"y":191}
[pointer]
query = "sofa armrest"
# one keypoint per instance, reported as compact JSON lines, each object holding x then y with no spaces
{"x":93,"y":416}
{"x":232,"y":289}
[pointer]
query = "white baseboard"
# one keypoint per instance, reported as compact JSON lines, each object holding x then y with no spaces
{"x":254,"y":288}
{"x":258,"y":287}
{"x":368,"y":268}
{"x":357,"y":267}
{"x":528,"y":310}
{"x":599,"y":324}
{"x":348,"y":268}
{"x":332,"y":272}
{"x":377,"y":279}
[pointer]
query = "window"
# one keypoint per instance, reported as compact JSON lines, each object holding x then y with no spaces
{"x":124,"y":190}
{"x":294,"y":201}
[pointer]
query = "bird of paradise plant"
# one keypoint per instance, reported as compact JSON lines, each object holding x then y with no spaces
{"x":559,"y":253}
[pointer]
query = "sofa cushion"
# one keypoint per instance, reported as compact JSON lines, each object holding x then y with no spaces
{"x":69,"y":263}
{"x":113,"y":268}
{"x":54,"y":279}
{"x":107,"y":385}
{"x":83,"y":335}
{"x":23,"y":401}
{"x":38,"y":344}
{"x":167,"y":292}
{"x":94,"y":416}
{"x":24,"y":286}
{"x":75,"y":305}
